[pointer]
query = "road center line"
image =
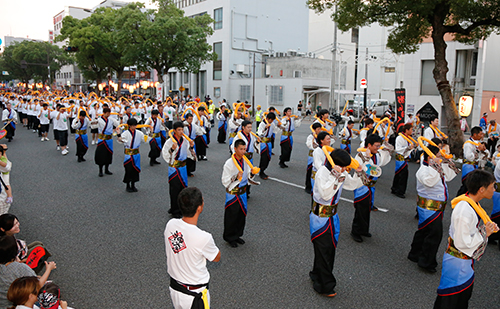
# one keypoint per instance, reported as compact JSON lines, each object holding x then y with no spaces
{"x":302,"y":187}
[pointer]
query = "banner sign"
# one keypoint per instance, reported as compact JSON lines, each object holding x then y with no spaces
{"x":400,"y":108}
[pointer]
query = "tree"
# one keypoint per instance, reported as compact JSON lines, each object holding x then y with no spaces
{"x":37,"y":55}
{"x":165,"y":38}
{"x":100,"y":43}
{"x":412,"y":21}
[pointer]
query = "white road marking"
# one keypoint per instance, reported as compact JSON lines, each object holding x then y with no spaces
{"x":302,"y":187}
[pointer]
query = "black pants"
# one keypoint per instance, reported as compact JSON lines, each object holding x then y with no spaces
{"x":426,"y":242}
{"x":265,"y":158}
{"x":361,"y":221}
{"x":36,"y":124}
{"x":175,"y":187}
{"x":102,"y":155}
{"x":286,"y":151}
{"x":492,"y":144}
{"x":208,"y":135}
{"x":221,"y":137}
{"x":73,"y":131}
{"x":201,"y":147}
{"x":81,"y":149}
{"x":324,"y":281}
{"x":308,"y":178}
{"x":456,"y":301}
{"x":154,"y":149}
{"x":191,"y":166}
{"x":234,"y":222}
{"x":169,"y":124}
{"x":31,"y":122}
{"x":131,"y":173}
{"x":400,"y":181}
{"x":10,"y":132}
{"x":63,"y":137}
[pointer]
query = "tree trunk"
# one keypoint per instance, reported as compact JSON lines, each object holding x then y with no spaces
{"x":456,"y":136}
{"x":119,"y":75}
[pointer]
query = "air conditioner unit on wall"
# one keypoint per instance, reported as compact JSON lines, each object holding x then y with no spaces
{"x":240,"y":68}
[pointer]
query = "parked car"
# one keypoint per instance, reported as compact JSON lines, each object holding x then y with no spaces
{"x":380,"y":105}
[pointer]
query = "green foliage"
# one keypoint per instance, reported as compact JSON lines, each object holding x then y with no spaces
{"x":112,"y":39}
{"x":34,"y":53}
{"x":412,"y":21}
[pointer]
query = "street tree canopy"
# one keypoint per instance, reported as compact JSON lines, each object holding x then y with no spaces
{"x":411,"y":22}
{"x":164,"y":38}
{"x":35,"y":54}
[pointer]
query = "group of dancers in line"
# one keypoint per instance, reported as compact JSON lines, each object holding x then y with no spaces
{"x":327,"y":174}
{"x":471,"y":228}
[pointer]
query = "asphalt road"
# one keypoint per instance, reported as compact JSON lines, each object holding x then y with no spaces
{"x":110,"y":252}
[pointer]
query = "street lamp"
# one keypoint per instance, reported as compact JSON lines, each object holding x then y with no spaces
{"x":465,"y":105}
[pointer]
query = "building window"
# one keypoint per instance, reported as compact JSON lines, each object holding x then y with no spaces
{"x":218,"y":19}
{"x":427,"y":82}
{"x":173,"y":80}
{"x":276,"y":97}
{"x":390,"y":69}
{"x":245,"y":93}
{"x":297,"y":74}
{"x":217,"y":64}
{"x":185,"y":79}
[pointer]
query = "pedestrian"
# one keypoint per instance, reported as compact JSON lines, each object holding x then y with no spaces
{"x":43,"y":117}
{"x":155,"y":143}
{"x":471,"y":148}
{"x":324,"y":223}
{"x":404,"y":146}
{"x":103,"y":156}
{"x":60,"y":120}
{"x":236,"y":175}
{"x":346,"y":135}
{"x":266,"y":129}
{"x":131,"y":140}
{"x":258,"y":116}
{"x":309,"y":110}
{"x":175,"y":152}
{"x":467,"y":241}
{"x":373,"y":158}
{"x":493,"y":132}
{"x":187,"y":249}
{"x":483,"y":122}
{"x":311,"y":145}
{"x":463,"y":124}
{"x":288,"y":124}
{"x":80,"y":126}
{"x":432,"y":196}
{"x":9,"y":119}
{"x":10,"y":269}
{"x":222,"y":117}
{"x":299,"y":108}
{"x":191,"y":130}
{"x":6,"y":196}
{"x":318,"y":109}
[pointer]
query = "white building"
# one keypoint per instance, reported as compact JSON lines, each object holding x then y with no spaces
{"x":473,"y":69}
{"x":242,"y":30}
{"x":70,"y":75}
{"x":9,"y":40}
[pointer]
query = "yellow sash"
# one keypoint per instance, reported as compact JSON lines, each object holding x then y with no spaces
{"x":255,"y":170}
{"x":477,"y":208}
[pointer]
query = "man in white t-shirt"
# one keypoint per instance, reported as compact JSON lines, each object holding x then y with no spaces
{"x":188,"y":248}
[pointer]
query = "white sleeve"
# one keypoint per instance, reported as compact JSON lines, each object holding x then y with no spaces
{"x":401,"y":146}
{"x":210,"y":250}
{"x":318,"y":158}
{"x":449,"y":174}
{"x":75,"y":123}
{"x":469,"y":152}
{"x":324,"y":184}
{"x":428,"y":176}
{"x":229,"y":175}
{"x":466,"y":236}
{"x":310,"y":142}
{"x":165,"y":151}
{"x":385,"y":157}
{"x":351,"y":183}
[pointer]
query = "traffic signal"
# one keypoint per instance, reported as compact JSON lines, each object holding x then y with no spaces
{"x":71,"y":49}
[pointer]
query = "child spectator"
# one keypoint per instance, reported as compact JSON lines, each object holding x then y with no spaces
{"x":50,"y":297}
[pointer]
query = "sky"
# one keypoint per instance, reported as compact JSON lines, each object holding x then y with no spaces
{"x":33,"y":19}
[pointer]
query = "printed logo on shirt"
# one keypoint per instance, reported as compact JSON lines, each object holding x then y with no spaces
{"x":177,"y":242}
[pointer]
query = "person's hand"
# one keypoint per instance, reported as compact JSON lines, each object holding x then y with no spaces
{"x":63,"y":304}
{"x":174,"y":146}
{"x":491,"y":227}
{"x":359,"y":169}
{"x":191,"y":143}
{"x":50,"y":265}
{"x":240,"y":174}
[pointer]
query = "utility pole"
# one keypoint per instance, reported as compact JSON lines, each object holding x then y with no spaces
{"x":334,"y":53}
{"x":48,"y":65}
{"x":253,"y":87}
{"x":366,"y":77}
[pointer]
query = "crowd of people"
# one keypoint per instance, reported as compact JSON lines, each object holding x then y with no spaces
{"x":179,"y":131}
